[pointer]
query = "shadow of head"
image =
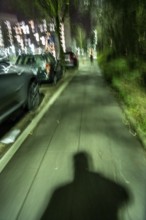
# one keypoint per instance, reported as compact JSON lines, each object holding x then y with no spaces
{"x":81,"y":161}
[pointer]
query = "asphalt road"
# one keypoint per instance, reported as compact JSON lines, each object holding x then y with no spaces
{"x":80,"y":162}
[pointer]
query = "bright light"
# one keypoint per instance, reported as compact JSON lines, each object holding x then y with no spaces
{"x":18,"y":29}
{"x":43,"y":40}
{"x":44,"y":25}
{"x":52,"y":27}
{"x":10,"y":36}
{"x":24,"y":41}
{"x":62,"y":36}
{"x":32,"y":47}
{"x":41,"y":28}
{"x":1,"y":38}
{"x":31,"y":22}
{"x":37,"y":37}
{"x":24,"y":28}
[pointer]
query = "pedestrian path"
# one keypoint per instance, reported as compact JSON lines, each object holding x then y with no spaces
{"x":80,"y":162}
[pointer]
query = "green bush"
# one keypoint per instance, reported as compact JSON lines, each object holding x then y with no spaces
{"x":128,"y":78}
{"x":104,"y":57}
{"x":114,"y":68}
{"x":133,"y":62}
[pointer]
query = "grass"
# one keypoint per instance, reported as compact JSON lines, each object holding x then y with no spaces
{"x":134,"y":97}
{"x":130,"y":86}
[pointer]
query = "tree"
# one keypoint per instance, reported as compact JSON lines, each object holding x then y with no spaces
{"x":57,"y":9}
{"x":80,"y":37}
{"x":26,"y":9}
{"x":83,"y":19}
{"x":141,"y":28}
{"x":117,"y":20}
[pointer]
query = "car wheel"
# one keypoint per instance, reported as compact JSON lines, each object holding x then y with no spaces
{"x":76,"y":64}
{"x":33,"y":97}
{"x":63,"y":70}
{"x":55,"y":80}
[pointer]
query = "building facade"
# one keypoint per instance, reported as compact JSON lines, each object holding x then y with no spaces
{"x":25,"y":36}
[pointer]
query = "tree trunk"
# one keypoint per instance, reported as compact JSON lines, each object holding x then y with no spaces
{"x":61,"y":53}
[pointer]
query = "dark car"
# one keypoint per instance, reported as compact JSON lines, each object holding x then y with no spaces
{"x":71,"y":59}
{"x":18,"y":88}
{"x":44,"y":66}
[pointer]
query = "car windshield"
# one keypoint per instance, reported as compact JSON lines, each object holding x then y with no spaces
{"x":31,"y":59}
{"x":20,"y":60}
{"x":25,"y":60}
{"x":50,"y":58}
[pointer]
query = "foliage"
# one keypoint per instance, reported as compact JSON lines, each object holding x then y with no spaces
{"x":116,"y":68}
{"x":122,"y":26}
{"x":141,"y":27}
{"x":27,"y":9}
{"x":57,"y":9}
{"x":80,"y":37}
{"x":83,"y":13}
{"x":130,"y":85}
{"x":104,"y":56}
{"x":133,"y":96}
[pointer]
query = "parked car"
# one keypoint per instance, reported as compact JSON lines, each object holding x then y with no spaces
{"x":71,"y":59}
{"x":4,"y":64}
{"x":18,"y":88}
{"x":45,"y":66}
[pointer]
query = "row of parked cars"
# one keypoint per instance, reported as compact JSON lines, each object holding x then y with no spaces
{"x":19,"y":82}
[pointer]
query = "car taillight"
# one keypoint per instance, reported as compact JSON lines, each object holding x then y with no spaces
{"x":48,"y":67}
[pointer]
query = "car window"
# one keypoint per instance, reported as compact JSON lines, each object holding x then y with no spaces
{"x":35,"y":59}
{"x":50,"y":58}
{"x":20,"y":60}
{"x":25,"y":60}
{"x":39,"y":59}
{"x":29,"y":60}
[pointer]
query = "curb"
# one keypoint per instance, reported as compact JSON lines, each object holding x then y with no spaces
{"x":36,"y":119}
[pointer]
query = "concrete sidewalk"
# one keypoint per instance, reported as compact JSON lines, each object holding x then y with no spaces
{"x":25,"y":126}
{"x":80,"y":161}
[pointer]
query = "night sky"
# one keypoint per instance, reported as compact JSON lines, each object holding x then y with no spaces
{"x":80,"y":17}
{"x":5,"y":6}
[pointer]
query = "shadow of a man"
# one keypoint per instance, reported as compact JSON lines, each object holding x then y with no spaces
{"x":90,"y":196}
